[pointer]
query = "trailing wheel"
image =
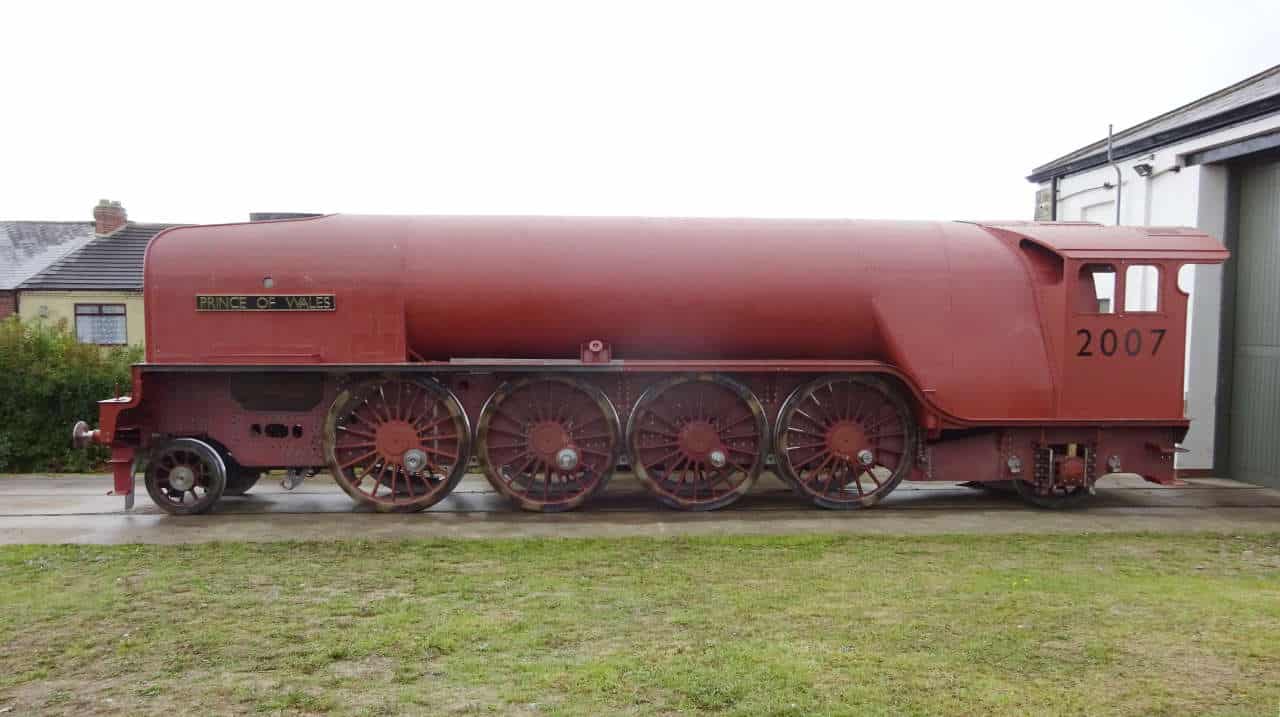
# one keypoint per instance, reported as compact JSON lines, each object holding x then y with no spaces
{"x":1057,"y":497}
{"x":548,"y":443}
{"x":239,"y":478}
{"x":845,"y":441}
{"x":185,"y":476}
{"x":397,"y":444}
{"x":698,"y":442}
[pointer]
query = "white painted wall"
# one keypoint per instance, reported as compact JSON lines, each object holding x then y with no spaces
{"x":1192,"y":196}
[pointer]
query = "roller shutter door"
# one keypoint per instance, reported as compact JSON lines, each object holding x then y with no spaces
{"x":1254,"y":452}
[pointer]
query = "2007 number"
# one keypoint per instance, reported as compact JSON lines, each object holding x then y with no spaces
{"x":1109,"y":343}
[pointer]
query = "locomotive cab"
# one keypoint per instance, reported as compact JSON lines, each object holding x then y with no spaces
{"x":1124,"y":337}
{"x":1113,"y":313}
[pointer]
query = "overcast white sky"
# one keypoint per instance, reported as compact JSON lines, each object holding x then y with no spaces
{"x":886,"y":109}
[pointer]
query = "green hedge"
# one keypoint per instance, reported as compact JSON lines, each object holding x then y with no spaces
{"x":48,"y":381}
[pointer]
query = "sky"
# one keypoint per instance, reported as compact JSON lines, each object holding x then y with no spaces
{"x":205,"y":112}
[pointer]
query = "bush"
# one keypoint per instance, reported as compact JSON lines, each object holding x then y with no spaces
{"x":48,"y":381}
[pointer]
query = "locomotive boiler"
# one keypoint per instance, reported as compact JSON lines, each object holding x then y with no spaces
{"x":844,"y":356}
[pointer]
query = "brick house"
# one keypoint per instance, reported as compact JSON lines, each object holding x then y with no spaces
{"x":96,"y":288}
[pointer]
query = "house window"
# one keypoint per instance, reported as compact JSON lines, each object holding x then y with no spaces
{"x":102,"y":324}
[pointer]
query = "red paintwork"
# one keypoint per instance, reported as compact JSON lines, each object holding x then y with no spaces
{"x":955,"y":307}
{"x":978,"y":322}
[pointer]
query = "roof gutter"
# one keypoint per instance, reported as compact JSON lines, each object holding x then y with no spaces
{"x":1243,"y":113}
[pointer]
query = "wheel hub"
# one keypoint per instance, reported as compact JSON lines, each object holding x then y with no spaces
{"x":182,"y":478}
{"x":846,"y":439}
{"x":547,"y":438}
{"x":395,"y":438}
{"x":698,"y":440}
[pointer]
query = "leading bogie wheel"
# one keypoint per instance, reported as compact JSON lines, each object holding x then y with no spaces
{"x":185,"y":476}
{"x":548,"y":443}
{"x":698,"y":442}
{"x":845,"y":441}
{"x":397,"y":444}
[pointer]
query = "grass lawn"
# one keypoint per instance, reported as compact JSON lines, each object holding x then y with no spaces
{"x":1139,"y":624}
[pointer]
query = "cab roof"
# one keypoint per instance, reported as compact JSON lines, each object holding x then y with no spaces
{"x":1089,"y":240}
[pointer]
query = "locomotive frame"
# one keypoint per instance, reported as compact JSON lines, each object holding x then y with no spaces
{"x":548,"y":433}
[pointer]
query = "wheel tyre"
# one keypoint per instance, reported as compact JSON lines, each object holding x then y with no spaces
{"x":214,"y":474}
{"x":240,"y":479}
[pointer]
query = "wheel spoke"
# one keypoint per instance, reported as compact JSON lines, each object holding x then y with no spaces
{"x":663,"y":459}
{"x":593,"y":437}
{"x":356,"y":432}
{"x":435,"y":422}
{"x":600,"y":418}
{"x":737,"y":467}
{"x":377,"y":479}
{"x":438,"y":437}
{"x":654,"y":432}
{"x":354,"y":461}
{"x":794,"y":429}
{"x":891,"y":434}
{"x":811,"y":459}
{"x":673,"y":425}
{"x":811,"y":419}
{"x":506,"y":431}
{"x":739,"y":436}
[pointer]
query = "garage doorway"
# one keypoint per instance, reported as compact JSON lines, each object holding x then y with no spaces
{"x":1249,"y":428}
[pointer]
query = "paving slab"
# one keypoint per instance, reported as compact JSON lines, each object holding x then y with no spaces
{"x":78,"y":509}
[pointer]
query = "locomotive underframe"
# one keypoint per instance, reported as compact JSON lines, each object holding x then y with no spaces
{"x":274,"y":417}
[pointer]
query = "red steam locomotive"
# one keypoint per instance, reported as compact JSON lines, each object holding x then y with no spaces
{"x":845,"y":356}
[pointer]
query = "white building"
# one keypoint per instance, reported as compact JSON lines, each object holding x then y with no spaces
{"x":1212,"y":164}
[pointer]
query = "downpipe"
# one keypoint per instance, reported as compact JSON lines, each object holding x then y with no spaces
{"x":1119,"y":176}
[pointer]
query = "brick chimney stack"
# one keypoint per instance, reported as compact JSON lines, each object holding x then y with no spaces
{"x":108,"y":217}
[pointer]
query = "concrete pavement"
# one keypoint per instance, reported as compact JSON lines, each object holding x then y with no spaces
{"x":77,"y":509}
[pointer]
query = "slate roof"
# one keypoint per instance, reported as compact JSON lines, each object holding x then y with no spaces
{"x":112,"y":262}
{"x":1248,"y":99}
{"x":26,"y":248}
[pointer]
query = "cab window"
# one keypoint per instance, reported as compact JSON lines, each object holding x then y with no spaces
{"x":1096,"y":291}
{"x":1141,"y":288}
